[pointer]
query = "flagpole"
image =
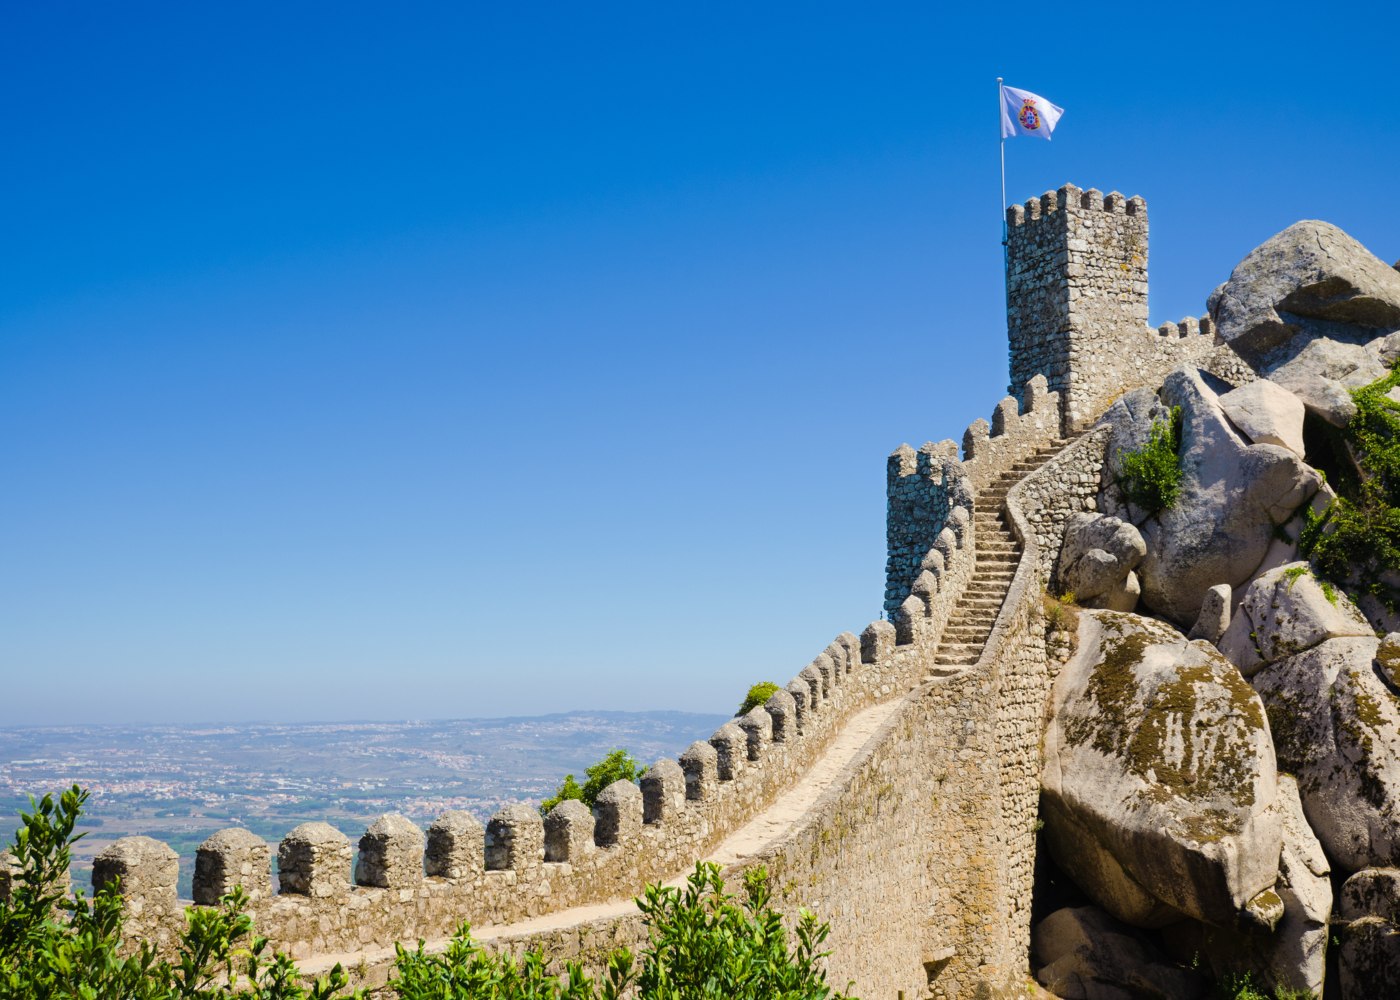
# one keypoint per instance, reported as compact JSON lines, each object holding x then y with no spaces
{"x":1001,"y":110}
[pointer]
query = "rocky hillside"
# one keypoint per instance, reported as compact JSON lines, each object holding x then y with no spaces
{"x":1221,"y":790}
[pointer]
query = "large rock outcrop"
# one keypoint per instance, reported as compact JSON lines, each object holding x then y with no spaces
{"x":1336,"y":725}
{"x":1370,"y":956}
{"x":1097,"y":559}
{"x":1310,"y":271}
{"x":1292,"y":956}
{"x":1159,"y":786}
{"x":1285,"y":612}
{"x":1233,"y":495}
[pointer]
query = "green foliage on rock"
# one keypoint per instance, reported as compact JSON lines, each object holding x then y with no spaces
{"x":758,"y":695}
{"x":618,"y":765}
{"x":1355,"y":541}
{"x":1150,"y":476}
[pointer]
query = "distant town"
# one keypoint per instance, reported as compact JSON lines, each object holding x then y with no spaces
{"x":181,"y":783}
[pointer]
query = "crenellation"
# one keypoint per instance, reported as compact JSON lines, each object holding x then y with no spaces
{"x":801,"y":694}
{"x":455,"y":847}
{"x":230,"y":858}
{"x":731,"y":750}
{"x":782,"y":709}
{"x":877,"y":642}
{"x":314,"y":860}
{"x":618,"y":814}
{"x":515,"y":840}
{"x":663,"y":792}
{"x":568,"y":832}
{"x":700,"y":762}
{"x":391,"y":853}
{"x":757,"y":724}
{"x":825,"y":668}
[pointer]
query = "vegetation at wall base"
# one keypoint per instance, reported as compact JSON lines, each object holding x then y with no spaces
{"x":703,"y":944}
{"x":1150,"y":476}
{"x":758,"y":695}
{"x":1355,"y":541}
{"x":618,"y":765}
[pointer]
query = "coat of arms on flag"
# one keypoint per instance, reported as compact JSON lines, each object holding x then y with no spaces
{"x":1024,"y":113}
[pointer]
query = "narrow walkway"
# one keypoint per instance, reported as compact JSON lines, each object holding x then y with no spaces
{"x":767,"y":828}
{"x":998,"y":555}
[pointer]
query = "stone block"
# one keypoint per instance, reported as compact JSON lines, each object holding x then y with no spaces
{"x":877,"y":642}
{"x":568,"y":832}
{"x":700,"y":762}
{"x":801,"y":694}
{"x":813,"y":680}
{"x":515,"y":839}
{"x":757,"y":725}
{"x":391,"y":853}
{"x":314,"y":860}
{"x":782,"y":710}
{"x":617,"y":814}
{"x":663,"y":791}
{"x":825,"y":669}
{"x":731,"y":750}
{"x":456,"y":846}
{"x":229,"y":858}
{"x":144,"y":872}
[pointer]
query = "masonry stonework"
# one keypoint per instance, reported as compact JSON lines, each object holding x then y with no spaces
{"x":921,"y":848}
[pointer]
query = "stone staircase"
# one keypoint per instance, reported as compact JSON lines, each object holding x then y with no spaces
{"x":998,"y":555}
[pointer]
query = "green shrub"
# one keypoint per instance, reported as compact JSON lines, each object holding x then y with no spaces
{"x":1150,"y":476}
{"x":618,"y":765}
{"x":758,"y":695}
{"x":1355,"y":541}
{"x":54,"y":946}
{"x":702,"y":944}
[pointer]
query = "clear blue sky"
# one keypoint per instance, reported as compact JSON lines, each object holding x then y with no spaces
{"x":413,"y":361}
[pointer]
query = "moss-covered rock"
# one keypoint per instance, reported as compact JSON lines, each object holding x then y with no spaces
{"x":1159,"y":787}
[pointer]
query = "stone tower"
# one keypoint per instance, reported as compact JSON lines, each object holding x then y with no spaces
{"x":1076,"y":296}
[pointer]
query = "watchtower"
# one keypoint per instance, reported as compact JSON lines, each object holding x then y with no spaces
{"x":1076,"y":296}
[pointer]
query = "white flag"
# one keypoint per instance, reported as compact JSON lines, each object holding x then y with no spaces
{"x":1024,"y":113}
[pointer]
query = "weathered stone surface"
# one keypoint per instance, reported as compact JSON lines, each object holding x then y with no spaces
{"x":229,"y":858}
{"x":314,"y":860}
{"x":1369,"y":962}
{"x":1266,"y":414}
{"x":757,"y":725}
{"x":1131,"y":418}
{"x":1284,"y":612}
{"x":145,"y":869}
{"x":1232,"y":496}
{"x":391,"y":853}
{"x":1085,"y":954}
{"x":568,"y":832}
{"x":1159,"y":787}
{"x":1336,"y":726}
{"x":456,"y":846}
{"x":1097,"y":559}
{"x":731,"y":750}
{"x":700,"y":762}
{"x":1293,"y":956}
{"x":1214,"y":618}
{"x":515,"y":839}
{"x":618,"y":814}
{"x":663,"y":790}
{"x":1311,"y":270}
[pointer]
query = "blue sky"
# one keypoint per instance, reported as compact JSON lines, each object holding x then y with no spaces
{"x":422,"y":361}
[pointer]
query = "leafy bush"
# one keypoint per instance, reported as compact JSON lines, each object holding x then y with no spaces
{"x":618,"y":765}
{"x":702,"y":944}
{"x":1356,"y":540}
{"x":54,"y":946}
{"x":758,"y":695}
{"x":1150,"y":476}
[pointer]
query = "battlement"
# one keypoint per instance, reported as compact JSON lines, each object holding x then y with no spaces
{"x":1076,"y":301}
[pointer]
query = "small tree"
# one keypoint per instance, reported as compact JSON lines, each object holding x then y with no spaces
{"x":758,"y":695}
{"x":618,"y":765}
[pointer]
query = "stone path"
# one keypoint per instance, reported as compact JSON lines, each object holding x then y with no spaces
{"x":768,"y":827}
{"x":998,"y":555}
